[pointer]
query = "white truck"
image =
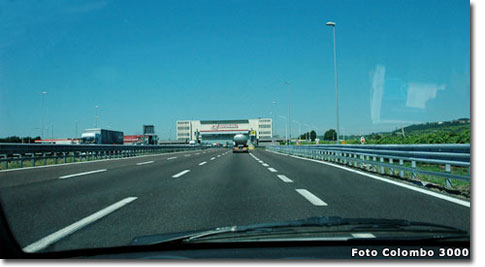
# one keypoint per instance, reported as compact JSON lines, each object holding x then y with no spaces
{"x":101,"y":136}
{"x":240,"y":143}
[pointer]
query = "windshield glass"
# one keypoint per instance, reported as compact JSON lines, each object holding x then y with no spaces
{"x":215,"y":114}
{"x":87,"y":140}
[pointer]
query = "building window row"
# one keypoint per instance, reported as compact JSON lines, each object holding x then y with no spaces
{"x":183,"y":128}
{"x":265,"y":126}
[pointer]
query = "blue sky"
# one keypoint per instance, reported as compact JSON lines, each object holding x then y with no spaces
{"x":154,"y":62}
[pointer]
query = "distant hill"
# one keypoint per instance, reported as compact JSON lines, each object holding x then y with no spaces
{"x":442,"y":132}
{"x":435,"y":126}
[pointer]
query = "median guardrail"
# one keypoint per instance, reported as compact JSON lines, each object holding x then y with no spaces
{"x":15,"y":155}
{"x":448,"y":161}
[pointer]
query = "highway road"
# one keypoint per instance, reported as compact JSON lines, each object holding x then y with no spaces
{"x":108,"y":203}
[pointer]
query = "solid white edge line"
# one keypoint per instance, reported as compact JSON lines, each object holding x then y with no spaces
{"x":81,"y":174}
{"x":311,"y":197}
{"x":414,"y":188}
{"x":146,"y":162}
{"x":272,"y":170}
{"x":54,"y":237}
{"x":202,"y":163}
{"x":284,"y":178}
{"x":180,"y":174}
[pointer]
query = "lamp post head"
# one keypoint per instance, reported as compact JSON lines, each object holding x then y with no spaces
{"x":331,"y":23}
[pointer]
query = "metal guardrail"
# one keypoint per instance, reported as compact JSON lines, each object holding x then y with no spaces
{"x":34,"y":153}
{"x":390,"y":159}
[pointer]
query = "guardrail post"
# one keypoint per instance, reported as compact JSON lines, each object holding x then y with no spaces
{"x":5,"y":158}
{"x":448,"y":170}
{"x":73,"y":156}
{"x":413,"y":166}
{"x":391,"y":169}
{"x":64,"y":156}
{"x":401,"y":172}
{"x":55,"y":158}
{"x":374,"y":165}
{"x":382,"y":167}
{"x":21,"y":160}
{"x":45,"y":158}
{"x":32,"y":155}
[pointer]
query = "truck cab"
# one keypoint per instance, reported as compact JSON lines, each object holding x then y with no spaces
{"x":89,"y":138}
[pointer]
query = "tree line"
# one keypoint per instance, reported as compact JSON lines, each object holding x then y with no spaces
{"x":17,"y":139}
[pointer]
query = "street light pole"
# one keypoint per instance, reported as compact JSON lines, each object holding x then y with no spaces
{"x":274,"y":117}
{"x":42,"y":117}
{"x":334,"y":25}
{"x":30,"y":134}
{"x":288,"y":126}
{"x":96,"y":123}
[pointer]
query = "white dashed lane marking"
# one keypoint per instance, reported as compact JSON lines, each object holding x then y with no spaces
{"x":311,"y":197}
{"x":147,"y":162}
{"x":81,"y":174}
{"x":363,"y":235}
{"x":56,"y":236}
{"x":284,"y":178}
{"x":180,"y":173}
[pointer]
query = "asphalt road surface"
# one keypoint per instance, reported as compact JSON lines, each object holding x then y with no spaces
{"x":108,"y":203}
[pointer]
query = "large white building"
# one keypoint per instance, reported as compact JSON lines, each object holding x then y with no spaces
{"x":208,"y":130}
